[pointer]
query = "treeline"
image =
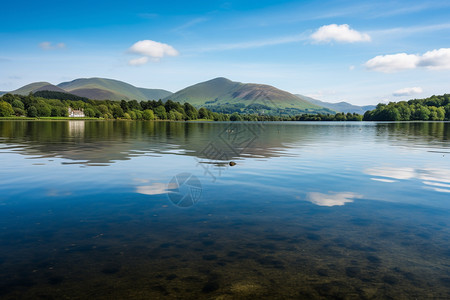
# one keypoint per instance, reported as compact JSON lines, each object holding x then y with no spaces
{"x":435,"y":108}
{"x":261,"y":109}
{"x":33,"y":106}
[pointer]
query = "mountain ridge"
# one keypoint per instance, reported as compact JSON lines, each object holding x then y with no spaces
{"x":343,"y":107}
{"x":103,"y":88}
{"x":220,"y":92}
{"x":214,"y":94}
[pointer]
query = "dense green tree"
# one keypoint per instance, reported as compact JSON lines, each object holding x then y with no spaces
{"x":6,"y":109}
{"x":43,"y":109}
{"x":89,"y":112}
{"x":134,"y":105}
{"x":32,"y":112}
{"x":235,"y":117}
{"x":117,"y":111}
{"x":191,"y":112}
{"x":148,"y":114}
{"x":17,"y":103}
{"x":132,"y":115}
{"x":160,"y":112}
{"x":19,"y":112}
{"x":124,"y":105}
{"x":203,"y":113}
{"x":433,"y":108}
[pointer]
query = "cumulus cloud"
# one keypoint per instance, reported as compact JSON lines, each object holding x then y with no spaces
{"x":339,"y":33}
{"x":138,"y":61}
{"x":150,"y":49}
{"x":407,"y":91}
{"x":437,"y":59}
{"x":49,"y":46}
{"x":392,"y":63}
{"x":333,"y":199}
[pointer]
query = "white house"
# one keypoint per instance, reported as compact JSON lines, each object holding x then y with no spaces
{"x":73,"y":113}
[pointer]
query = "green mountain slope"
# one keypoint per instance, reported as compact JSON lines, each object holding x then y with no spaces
{"x":50,"y":87}
{"x":221,"y":92}
{"x":32,"y":87}
{"x":343,"y":107}
{"x":102,"y":88}
{"x":154,"y":94}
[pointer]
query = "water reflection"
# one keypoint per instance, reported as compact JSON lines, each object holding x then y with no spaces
{"x":76,"y":128}
{"x":310,"y":210}
{"x":435,"y":179}
{"x":109,"y":141}
{"x":332,"y":199}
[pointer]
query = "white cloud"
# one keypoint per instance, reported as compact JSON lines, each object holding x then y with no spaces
{"x":437,"y":59}
{"x":49,"y":46}
{"x":138,"y":61}
{"x":392,"y":63}
{"x":407,"y":91}
{"x":333,"y":199}
{"x":152,"y":49}
{"x":339,"y":33}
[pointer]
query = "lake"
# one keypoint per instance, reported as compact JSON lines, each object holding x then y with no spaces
{"x":148,"y":210}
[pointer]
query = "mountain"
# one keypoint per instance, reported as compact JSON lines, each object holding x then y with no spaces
{"x":221,"y":92}
{"x":102,"y":88}
{"x":343,"y":107}
{"x":36,"y":86}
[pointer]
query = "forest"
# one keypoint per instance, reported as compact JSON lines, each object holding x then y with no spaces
{"x":49,"y":104}
{"x":434,"y":108}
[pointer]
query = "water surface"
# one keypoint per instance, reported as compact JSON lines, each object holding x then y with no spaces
{"x":310,"y":210}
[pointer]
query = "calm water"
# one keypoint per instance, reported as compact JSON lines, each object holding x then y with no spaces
{"x":148,"y":210}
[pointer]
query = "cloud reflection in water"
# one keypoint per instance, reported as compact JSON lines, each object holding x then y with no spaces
{"x":433,"y":178}
{"x":332,"y":199}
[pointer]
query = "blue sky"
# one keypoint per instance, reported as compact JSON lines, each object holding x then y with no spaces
{"x":363,"y":52}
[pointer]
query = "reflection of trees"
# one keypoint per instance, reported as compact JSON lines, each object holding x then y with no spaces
{"x":106,"y":141}
{"x":415,"y":133}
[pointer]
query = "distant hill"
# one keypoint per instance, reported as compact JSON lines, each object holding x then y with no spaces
{"x":102,"y":89}
{"x":49,"y":87}
{"x":220,"y":92}
{"x":32,"y":87}
{"x":343,"y":107}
